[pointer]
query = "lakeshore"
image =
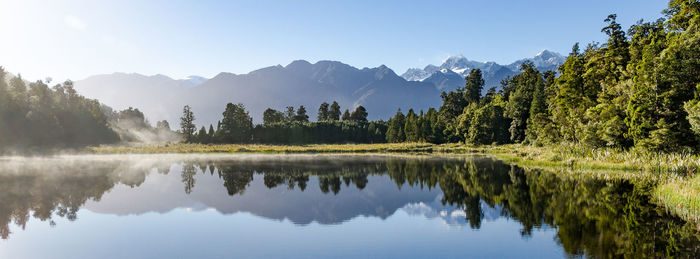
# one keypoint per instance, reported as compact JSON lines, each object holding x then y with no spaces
{"x":674,"y":176}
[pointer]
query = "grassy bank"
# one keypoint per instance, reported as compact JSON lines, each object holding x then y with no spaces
{"x":252,"y":148}
{"x":675,"y":175}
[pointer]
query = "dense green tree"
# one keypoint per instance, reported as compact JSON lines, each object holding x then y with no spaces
{"x":464,"y":122}
{"x":411,"y":127}
{"x":289,"y":113}
{"x":334,"y":112}
{"x":273,"y":116}
{"x":677,"y":80}
{"x":301,"y":115}
{"x":346,"y":115}
{"x":573,"y":96}
{"x":211,"y":134}
{"x":488,"y":124}
{"x":359,"y":114}
{"x":474,"y":86}
{"x":433,"y":134}
{"x":453,"y":104}
{"x":395,"y":132}
{"x":520,"y":101}
{"x":323,"y":112}
{"x":540,"y":128}
{"x":236,"y":125}
{"x":606,"y":125}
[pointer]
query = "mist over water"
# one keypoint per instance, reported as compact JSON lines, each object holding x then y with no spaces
{"x":89,"y":206}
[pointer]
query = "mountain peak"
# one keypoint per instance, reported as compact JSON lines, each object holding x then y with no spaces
{"x":299,"y":63}
{"x":547,"y":54}
{"x":194,"y":80}
{"x":457,"y":66}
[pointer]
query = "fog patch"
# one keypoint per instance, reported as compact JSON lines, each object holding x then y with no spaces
{"x":132,"y":126}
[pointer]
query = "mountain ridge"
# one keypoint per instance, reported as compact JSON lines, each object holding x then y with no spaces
{"x":493,"y":72}
{"x":379,"y":89}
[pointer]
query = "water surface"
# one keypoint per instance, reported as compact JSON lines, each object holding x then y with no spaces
{"x":222,"y":206}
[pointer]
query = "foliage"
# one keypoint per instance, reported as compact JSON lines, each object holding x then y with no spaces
{"x":187,"y":126}
{"x":39,"y":116}
{"x":236,"y":125}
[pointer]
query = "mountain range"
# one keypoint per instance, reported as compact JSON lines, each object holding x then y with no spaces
{"x":379,"y":89}
{"x":451,"y":73}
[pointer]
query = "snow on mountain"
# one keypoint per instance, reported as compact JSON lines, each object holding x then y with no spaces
{"x":545,"y":60}
{"x":194,"y":80}
{"x":447,"y":75}
{"x":415,"y":74}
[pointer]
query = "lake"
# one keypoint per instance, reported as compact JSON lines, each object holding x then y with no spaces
{"x":340,"y":206}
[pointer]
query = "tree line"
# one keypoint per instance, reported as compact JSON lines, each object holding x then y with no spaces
{"x":35,"y":116}
{"x":289,"y":127}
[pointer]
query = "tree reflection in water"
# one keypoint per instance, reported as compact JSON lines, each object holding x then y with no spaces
{"x":592,"y":217}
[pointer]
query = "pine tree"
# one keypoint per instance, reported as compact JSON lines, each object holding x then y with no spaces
{"x":334,"y":112}
{"x":289,"y":114}
{"x":474,"y":86}
{"x":346,"y":115}
{"x":301,"y":115}
{"x":202,"y":136}
{"x":323,"y":112}
{"x":187,"y":126}
{"x":211,"y":134}
{"x":411,"y":130}
{"x":395,"y":133}
{"x":359,"y":114}
{"x":453,"y":104}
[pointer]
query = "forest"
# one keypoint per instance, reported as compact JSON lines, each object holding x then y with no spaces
{"x":35,"y":116}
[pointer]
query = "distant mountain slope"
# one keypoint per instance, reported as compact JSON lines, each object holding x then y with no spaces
{"x":450,"y":74}
{"x":147,"y":93}
{"x":379,"y":89}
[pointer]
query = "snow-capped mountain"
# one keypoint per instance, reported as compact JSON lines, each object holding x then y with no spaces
{"x":545,"y":60}
{"x":450,"y":74}
{"x":194,"y":80}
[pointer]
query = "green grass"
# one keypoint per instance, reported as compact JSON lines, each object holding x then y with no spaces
{"x":253,"y":148}
{"x":675,"y":175}
{"x":681,"y":197}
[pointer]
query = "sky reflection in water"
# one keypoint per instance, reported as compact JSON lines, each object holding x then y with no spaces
{"x":330,"y":206}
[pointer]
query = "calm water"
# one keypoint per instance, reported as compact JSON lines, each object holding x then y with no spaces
{"x":322,"y":206}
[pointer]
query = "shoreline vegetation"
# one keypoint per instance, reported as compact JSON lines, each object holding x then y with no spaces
{"x":674,"y":176}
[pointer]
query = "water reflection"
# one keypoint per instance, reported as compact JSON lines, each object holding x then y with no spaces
{"x":589,"y":217}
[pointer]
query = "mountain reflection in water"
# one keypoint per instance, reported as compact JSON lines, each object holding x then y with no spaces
{"x":589,"y":217}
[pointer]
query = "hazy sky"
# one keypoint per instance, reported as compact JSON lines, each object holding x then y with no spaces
{"x":75,"y":39}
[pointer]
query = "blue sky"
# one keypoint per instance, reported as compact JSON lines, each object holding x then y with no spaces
{"x":76,"y":39}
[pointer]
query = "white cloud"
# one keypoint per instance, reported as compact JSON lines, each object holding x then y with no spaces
{"x":74,"y":22}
